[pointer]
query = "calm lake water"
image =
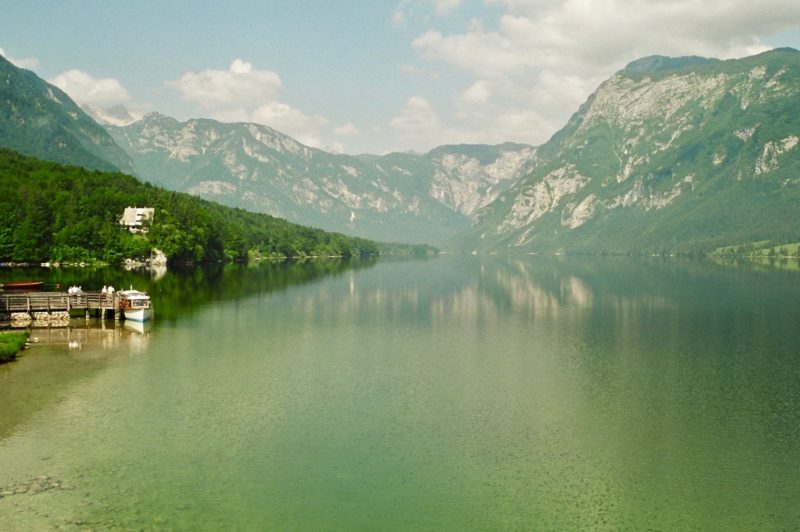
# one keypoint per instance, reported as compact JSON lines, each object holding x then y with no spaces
{"x":449,"y":394}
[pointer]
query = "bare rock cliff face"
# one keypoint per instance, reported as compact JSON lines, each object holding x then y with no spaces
{"x":397,"y":197}
{"x":668,"y":155}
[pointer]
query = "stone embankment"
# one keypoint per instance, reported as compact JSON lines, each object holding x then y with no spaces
{"x":34,"y":319}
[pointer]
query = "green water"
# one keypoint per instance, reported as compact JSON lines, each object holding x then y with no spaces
{"x":451,"y":394}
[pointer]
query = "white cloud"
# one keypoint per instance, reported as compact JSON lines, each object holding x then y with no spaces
{"x":29,"y":63}
{"x":346,"y":130}
{"x":477,"y":93}
{"x":541,"y":59}
{"x":487,"y":54}
{"x":476,"y":120}
{"x":334,"y":147}
{"x":418,"y":117}
{"x":609,"y":32}
{"x":418,"y":126}
{"x":443,"y":7}
{"x":240,"y":67}
{"x":243,"y":93}
{"x":414,"y":71}
{"x":87,"y":90}
{"x":399,"y":17}
{"x":309,"y":139}
{"x":420,"y":10}
{"x":239,"y":87}
{"x":488,"y":111}
{"x":291,"y":121}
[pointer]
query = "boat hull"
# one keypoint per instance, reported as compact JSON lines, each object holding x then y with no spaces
{"x":23,"y":285}
{"x":137,"y":314}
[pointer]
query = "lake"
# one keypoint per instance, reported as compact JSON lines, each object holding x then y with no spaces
{"x":457,"y":393}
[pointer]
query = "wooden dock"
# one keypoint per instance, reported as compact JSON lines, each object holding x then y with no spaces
{"x":50,"y":302}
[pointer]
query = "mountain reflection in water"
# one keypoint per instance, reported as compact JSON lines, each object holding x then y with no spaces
{"x":459,"y":393}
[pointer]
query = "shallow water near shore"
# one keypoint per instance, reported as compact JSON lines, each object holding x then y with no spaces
{"x":456,"y":393}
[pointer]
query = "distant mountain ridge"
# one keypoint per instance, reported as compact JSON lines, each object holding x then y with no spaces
{"x":402,"y":197}
{"x":38,"y":119}
{"x":398,"y":197}
{"x":669,"y":155}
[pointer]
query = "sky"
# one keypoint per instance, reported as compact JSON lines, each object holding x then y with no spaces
{"x":373,"y":76}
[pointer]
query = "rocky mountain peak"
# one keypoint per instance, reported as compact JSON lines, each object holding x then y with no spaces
{"x":669,"y":154}
{"x":660,"y":63}
{"x":398,"y":197}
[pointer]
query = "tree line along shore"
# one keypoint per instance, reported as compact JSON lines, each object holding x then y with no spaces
{"x":70,"y":215}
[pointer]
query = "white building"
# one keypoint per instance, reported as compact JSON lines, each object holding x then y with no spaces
{"x":134,"y":218}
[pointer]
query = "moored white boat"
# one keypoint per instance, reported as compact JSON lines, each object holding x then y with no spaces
{"x":135,"y":305}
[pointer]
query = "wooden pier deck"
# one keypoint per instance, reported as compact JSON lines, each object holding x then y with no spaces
{"x":30,"y":302}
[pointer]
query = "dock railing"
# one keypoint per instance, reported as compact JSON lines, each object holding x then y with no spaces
{"x":57,"y":301}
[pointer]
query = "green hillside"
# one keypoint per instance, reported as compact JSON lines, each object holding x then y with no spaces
{"x":669,"y":155}
{"x":53,"y":212}
{"x":39,"y":120}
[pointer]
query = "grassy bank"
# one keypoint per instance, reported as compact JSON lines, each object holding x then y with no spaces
{"x":11,"y":343}
{"x":762,"y":249}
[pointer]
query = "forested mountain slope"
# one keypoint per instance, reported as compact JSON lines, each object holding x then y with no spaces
{"x":669,"y":155}
{"x":39,"y":120}
{"x":67,"y":213}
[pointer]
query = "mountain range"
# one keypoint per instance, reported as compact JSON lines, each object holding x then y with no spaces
{"x":668,"y":155}
{"x":395,"y":197}
{"x":40,"y":120}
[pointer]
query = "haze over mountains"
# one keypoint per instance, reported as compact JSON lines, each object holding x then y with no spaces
{"x":668,"y":155}
{"x":400,"y":196}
